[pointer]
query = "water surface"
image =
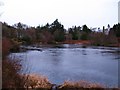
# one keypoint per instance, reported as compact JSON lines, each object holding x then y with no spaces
{"x":71,"y":62}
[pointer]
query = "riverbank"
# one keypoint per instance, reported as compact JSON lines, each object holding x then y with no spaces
{"x":82,"y":42}
{"x":16,"y":47}
{"x":40,"y":82}
{"x":89,"y":42}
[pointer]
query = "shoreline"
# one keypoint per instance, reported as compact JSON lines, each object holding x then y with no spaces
{"x":81,"y":42}
{"x":34,"y":81}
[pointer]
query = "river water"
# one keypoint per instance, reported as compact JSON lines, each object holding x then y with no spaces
{"x":74,"y":63}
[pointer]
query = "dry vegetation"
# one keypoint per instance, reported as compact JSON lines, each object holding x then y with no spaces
{"x":10,"y":74}
{"x":36,"y":81}
{"x":11,"y":78}
{"x":79,"y":84}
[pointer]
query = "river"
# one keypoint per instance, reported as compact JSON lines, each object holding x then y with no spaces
{"x":72,"y":62}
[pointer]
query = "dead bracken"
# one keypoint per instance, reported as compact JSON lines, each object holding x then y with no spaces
{"x":36,"y":81}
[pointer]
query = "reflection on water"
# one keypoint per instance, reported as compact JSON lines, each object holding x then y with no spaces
{"x":95,"y":64}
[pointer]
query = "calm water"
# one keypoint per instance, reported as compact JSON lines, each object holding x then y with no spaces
{"x":95,"y":64}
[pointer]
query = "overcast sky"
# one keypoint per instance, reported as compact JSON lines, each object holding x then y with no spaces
{"x":93,"y":13}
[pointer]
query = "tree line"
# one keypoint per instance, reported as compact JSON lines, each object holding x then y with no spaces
{"x":55,"y":32}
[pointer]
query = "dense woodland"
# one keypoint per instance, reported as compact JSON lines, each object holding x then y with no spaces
{"x":55,"y":33}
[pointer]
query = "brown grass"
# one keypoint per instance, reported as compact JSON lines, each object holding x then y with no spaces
{"x":36,"y":81}
{"x":80,"y":84}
